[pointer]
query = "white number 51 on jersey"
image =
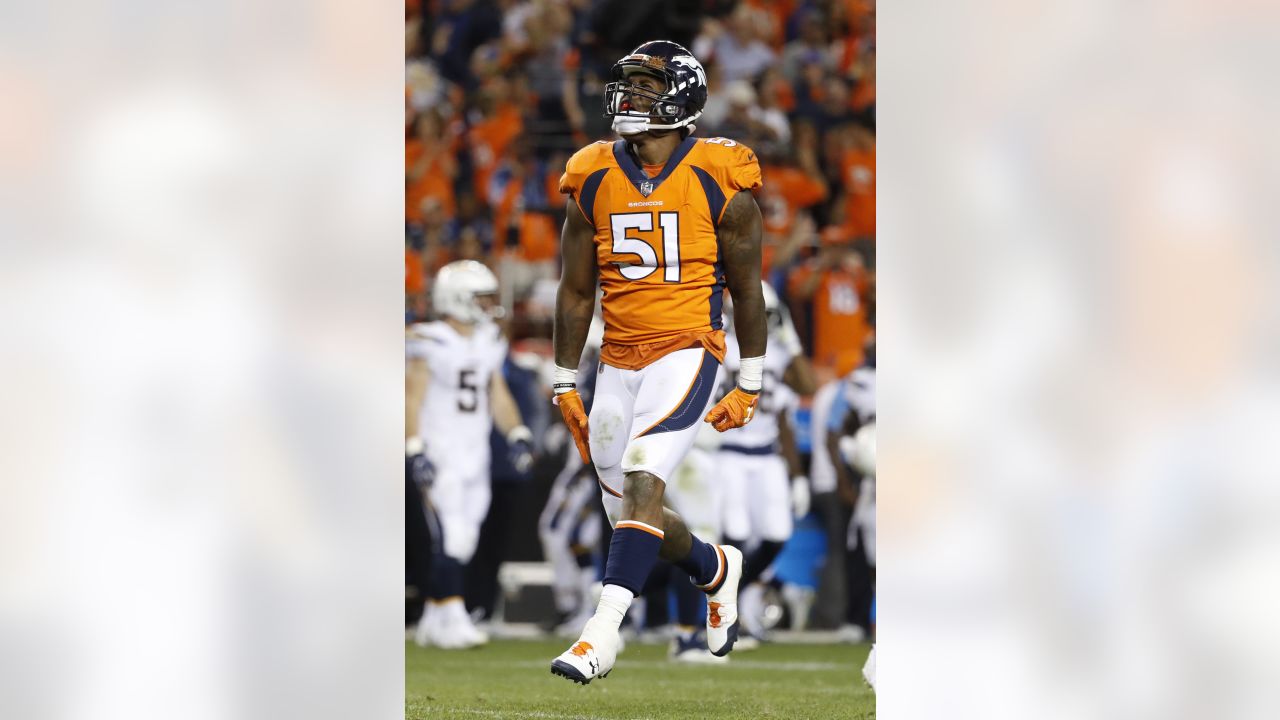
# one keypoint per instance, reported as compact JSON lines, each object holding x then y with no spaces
{"x":624,"y":244}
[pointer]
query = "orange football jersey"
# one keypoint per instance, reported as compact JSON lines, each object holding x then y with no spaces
{"x":656,"y":246}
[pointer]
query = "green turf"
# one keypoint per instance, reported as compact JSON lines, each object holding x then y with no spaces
{"x":512,"y":679}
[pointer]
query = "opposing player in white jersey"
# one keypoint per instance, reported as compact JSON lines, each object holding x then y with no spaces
{"x":569,"y":526}
{"x":763,"y":481}
{"x":455,"y":392}
{"x":859,"y":452}
{"x":853,"y":414}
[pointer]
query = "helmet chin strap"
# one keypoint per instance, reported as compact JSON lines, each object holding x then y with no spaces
{"x":629,"y":125}
{"x":632,"y":125}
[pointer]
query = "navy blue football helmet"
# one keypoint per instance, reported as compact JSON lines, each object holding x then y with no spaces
{"x":677,"y":106}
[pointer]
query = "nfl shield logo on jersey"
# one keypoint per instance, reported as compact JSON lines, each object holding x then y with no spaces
{"x":646,"y":188}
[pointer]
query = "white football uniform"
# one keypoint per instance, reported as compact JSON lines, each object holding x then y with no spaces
{"x":822,"y":473}
{"x":757,"y":486}
{"x":568,"y":519}
{"x":694,"y":490}
{"x":858,"y":395}
{"x":646,"y":420}
{"x":454,"y":424}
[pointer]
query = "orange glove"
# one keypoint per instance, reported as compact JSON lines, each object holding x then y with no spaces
{"x":575,"y":418}
{"x":734,"y":410}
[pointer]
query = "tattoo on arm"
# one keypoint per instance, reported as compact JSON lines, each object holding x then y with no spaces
{"x":577,"y":294}
{"x":739,"y":235}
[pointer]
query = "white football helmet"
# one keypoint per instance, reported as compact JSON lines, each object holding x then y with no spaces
{"x":457,"y":289}
{"x":773,"y":309}
{"x":772,"y":306}
{"x":859,"y":451}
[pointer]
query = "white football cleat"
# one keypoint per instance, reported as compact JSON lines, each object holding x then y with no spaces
{"x":869,"y":669}
{"x":722,"y":605}
{"x":469,"y":635}
{"x":746,"y":641}
{"x":592,"y":656}
{"x":692,"y":648}
{"x":422,"y":635}
{"x":447,"y":626}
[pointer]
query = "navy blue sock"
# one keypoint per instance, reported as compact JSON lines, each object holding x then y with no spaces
{"x":705,"y":564}
{"x":446,"y":577}
{"x":632,"y":553}
{"x":691,"y":603}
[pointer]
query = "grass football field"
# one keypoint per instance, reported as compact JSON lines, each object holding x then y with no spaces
{"x":512,"y":679}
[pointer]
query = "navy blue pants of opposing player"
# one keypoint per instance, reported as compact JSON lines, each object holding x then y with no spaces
{"x":417,"y":550}
{"x":509,"y":530}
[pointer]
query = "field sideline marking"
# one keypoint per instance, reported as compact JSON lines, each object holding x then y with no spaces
{"x":742,"y":664}
{"x":532,"y":714}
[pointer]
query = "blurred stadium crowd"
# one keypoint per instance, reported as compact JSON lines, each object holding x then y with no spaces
{"x":499,"y":93}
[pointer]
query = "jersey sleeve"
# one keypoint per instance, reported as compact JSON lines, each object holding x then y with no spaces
{"x":734,"y":165}
{"x":580,"y":165}
{"x":415,"y":345}
{"x":424,"y":342}
{"x":744,"y":173}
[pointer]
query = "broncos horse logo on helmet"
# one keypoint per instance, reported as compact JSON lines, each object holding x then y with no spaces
{"x":677,"y":106}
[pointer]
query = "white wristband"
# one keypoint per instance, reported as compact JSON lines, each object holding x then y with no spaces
{"x":518,"y":433}
{"x":413,"y":445}
{"x":751,"y":374}
{"x":563,"y":380}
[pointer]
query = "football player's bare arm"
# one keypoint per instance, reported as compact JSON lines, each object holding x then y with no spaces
{"x":787,"y":441}
{"x":845,"y":485}
{"x":416,"y":377}
{"x":740,"y":236}
{"x":506,"y":414}
{"x":740,"y":233}
{"x":576,"y":296}
{"x":801,"y":493}
{"x":799,"y":376}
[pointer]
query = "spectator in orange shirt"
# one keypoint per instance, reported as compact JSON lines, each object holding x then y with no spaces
{"x":774,"y":27}
{"x":864,"y":90}
{"x":836,"y":286}
{"x":415,"y":279}
{"x":430,"y":167}
{"x":522,"y":209}
{"x":490,"y":138}
{"x":788,"y":190}
{"x":858,"y":176}
{"x":523,"y":219}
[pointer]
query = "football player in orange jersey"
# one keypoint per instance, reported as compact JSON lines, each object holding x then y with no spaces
{"x":661,"y":221}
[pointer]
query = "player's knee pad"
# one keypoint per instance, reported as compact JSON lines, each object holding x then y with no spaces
{"x":609,"y":428}
{"x":460,"y":540}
